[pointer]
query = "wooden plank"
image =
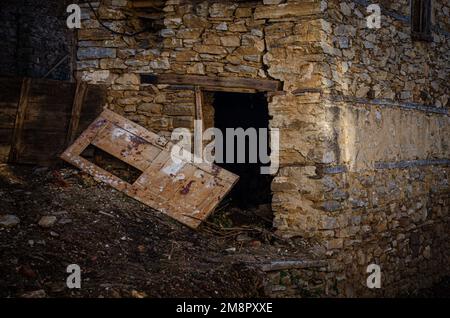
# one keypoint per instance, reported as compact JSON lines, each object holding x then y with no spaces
{"x":230,"y":89}
{"x":213,"y":81}
{"x":18,"y":126}
{"x":85,"y":139}
{"x":8,"y":113}
{"x":4,"y":152}
{"x":195,"y":189}
{"x":215,"y":89}
{"x":52,"y":92}
{"x":40,"y":120}
{"x":152,"y":4}
{"x":10,"y":90}
{"x":93,"y":104}
{"x":183,"y":187}
{"x":100,"y":174}
{"x":5,"y":144}
{"x":148,"y":179}
{"x":214,"y":198}
{"x":135,"y":129}
{"x":198,"y":103}
{"x":40,"y":147}
{"x":161,"y":177}
{"x":80,"y":94}
{"x":126,"y":146}
{"x":209,"y":168}
{"x":198,"y":137}
{"x":184,"y":190}
{"x":5,"y":136}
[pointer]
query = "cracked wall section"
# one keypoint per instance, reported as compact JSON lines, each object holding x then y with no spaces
{"x":230,"y":39}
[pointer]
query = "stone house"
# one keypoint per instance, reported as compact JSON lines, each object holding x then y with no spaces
{"x":363,"y":115}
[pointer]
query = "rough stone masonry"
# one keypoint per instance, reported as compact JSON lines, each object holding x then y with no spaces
{"x":363,"y":117}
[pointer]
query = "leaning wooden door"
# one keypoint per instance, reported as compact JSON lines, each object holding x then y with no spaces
{"x":176,"y":186}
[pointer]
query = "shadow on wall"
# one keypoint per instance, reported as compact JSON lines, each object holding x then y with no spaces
{"x":35,"y":38}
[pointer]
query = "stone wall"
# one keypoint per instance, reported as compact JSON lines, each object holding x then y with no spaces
{"x":387,"y":63}
{"x":384,"y":197}
{"x":35,"y":38}
{"x":220,"y":38}
{"x":363,"y":118}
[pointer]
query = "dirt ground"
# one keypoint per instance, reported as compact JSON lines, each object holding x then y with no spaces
{"x":124,"y":248}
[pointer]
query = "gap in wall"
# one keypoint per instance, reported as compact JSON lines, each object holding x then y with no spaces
{"x":252,"y":196}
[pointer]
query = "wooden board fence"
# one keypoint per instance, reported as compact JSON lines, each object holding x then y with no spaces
{"x":39,"y":118}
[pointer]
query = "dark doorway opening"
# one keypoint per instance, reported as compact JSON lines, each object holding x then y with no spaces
{"x":243,"y":110}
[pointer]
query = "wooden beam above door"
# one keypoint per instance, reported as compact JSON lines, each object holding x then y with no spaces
{"x":209,"y":82}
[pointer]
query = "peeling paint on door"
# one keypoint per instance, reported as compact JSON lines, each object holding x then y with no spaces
{"x":186,"y":191}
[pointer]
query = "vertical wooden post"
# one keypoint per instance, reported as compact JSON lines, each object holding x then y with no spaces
{"x":18,"y":125}
{"x":198,"y":126}
{"x":198,"y":103}
{"x":80,"y":94}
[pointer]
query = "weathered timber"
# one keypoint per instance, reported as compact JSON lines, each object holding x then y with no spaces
{"x":213,"y":81}
{"x":170,"y":183}
{"x":78,"y":100}
{"x":18,"y":126}
{"x":39,"y":117}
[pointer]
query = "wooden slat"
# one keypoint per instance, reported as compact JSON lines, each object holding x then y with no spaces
{"x":126,"y":146}
{"x":195,"y":189}
{"x":100,"y":174}
{"x":230,"y":89}
{"x":135,"y":129}
{"x":18,"y":126}
{"x":93,"y":104}
{"x":198,"y":103}
{"x":35,"y":116}
{"x":213,"y":81}
{"x":8,"y":114}
{"x":80,"y":94}
{"x":214,"y":199}
{"x":52,"y":92}
{"x":5,"y":144}
{"x":198,"y":135}
{"x":40,"y":147}
{"x":42,"y":117}
{"x":4,"y":152}
{"x":148,"y":4}
{"x":85,"y":139}
{"x":164,"y":178}
{"x":10,"y":90}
